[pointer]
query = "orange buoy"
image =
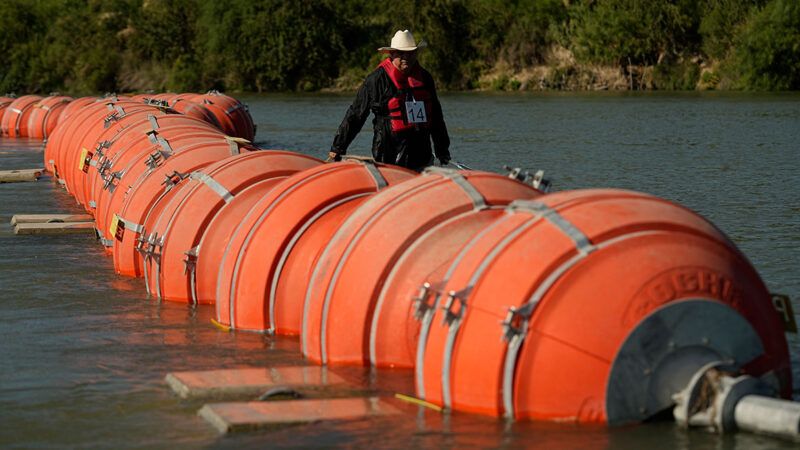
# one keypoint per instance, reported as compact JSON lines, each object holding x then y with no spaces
{"x":95,"y":133}
{"x":394,"y":329}
{"x":589,"y":306}
{"x":143,"y":133}
{"x":267,"y":261}
{"x":206,"y":259}
{"x":232,"y":115}
{"x":144,"y":156}
{"x":4,"y":103}
{"x":62,"y":117}
{"x":77,"y":105}
{"x":64,"y":152}
{"x":14,"y":122}
{"x":131,"y":208}
{"x":44,"y":115}
{"x":177,"y":231}
{"x":196,"y":110}
{"x":346,"y":281}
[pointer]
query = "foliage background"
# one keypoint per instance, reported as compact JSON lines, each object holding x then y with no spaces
{"x":85,"y":46}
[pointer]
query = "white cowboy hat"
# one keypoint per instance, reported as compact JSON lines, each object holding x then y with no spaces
{"x":403,"y":41}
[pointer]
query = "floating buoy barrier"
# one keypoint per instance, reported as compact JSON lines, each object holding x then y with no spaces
{"x":14,"y":122}
{"x":345,"y":282}
{"x":590,"y":306}
{"x":172,"y":237}
{"x":45,"y":115}
{"x":499,"y":298}
{"x":265,"y":265}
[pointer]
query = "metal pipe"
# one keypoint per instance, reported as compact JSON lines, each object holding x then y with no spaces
{"x":767,"y":415}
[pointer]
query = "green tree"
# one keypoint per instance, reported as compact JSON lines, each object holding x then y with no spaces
{"x":767,"y":54}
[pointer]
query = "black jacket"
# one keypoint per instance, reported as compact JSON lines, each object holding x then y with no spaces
{"x":410,"y":149}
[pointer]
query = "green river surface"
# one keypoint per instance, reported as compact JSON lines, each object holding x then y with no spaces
{"x":84,"y":352}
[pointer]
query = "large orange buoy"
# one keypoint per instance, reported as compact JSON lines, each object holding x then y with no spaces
{"x":45,"y":114}
{"x":144,"y":156}
{"x":180,"y":226}
{"x":94,"y":134}
{"x":76,"y":105}
{"x":63,"y":143}
{"x":266,"y":265}
{"x":145,"y":190}
{"x":4,"y":103}
{"x":203,"y":263}
{"x":233,"y":116}
{"x":70,"y":120}
{"x":14,"y":122}
{"x":592,"y":306}
{"x":141,"y":137}
{"x":347,"y":280}
{"x":394,"y":329}
{"x":194,"y":109}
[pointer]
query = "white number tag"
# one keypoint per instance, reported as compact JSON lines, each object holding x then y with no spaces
{"x":416,"y":112}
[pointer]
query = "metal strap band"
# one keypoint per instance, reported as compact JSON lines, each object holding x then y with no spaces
{"x":93,"y":163}
{"x":477,"y":199}
{"x":18,"y":111}
{"x":581,"y":241}
{"x":525,"y":313}
{"x":120,"y":110}
{"x":229,"y":296}
{"x":340,"y":266}
{"x":153,"y":121}
{"x":193,"y":252}
{"x":189,"y":268}
{"x":380,"y":181}
{"x":152,"y":136}
{"x":213,"y":185}
{"x":92,"y":204}
{"x":135,"y":227}
{"x":165,"y":146}
{"x":428,"y":314}
{"x":107,"y":242}
{"x":234,"y":108}
{"x":234,"y":146}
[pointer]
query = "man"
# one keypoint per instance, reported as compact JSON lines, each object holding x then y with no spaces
{"x":407,"y":111}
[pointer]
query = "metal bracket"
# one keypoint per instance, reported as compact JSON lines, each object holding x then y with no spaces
{"x":109,"y":180}
{"x":453,"y":297}
{"x":190,"y":262}
{"x":173,"y":179}
{"x":536,"y":180}
{"x":514,"y":323}
{"x":420,"y":302}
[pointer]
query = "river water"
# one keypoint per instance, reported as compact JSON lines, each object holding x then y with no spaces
{"x":84,"y":352}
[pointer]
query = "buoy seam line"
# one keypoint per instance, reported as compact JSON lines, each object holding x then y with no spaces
{"x":453,"y":330}
{"x":306,"y":306}
{"x":514,"y":345}
{"x":379,"y":213}
{"x":249,"y":237}
{"x":393,"y":273}
{"x":290,"y":246}
{"x":427,"y":318}
{"x":208,"y":180}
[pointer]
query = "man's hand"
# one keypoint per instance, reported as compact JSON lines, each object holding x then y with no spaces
{"x":333,"y":156}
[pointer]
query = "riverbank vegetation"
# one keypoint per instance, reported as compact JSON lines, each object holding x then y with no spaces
{"x":83,"y":46}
